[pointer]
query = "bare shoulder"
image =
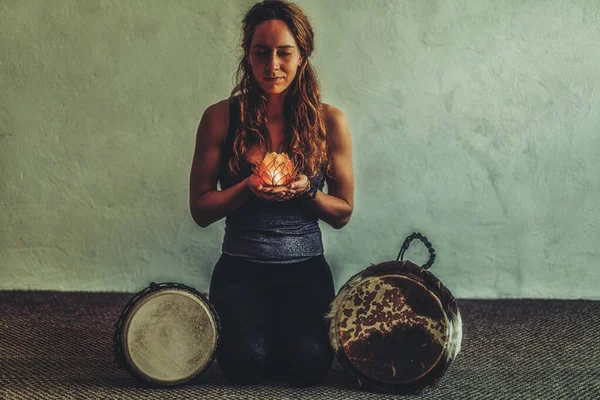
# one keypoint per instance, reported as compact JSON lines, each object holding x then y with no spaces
{"x":336,"y":123}
{"x":218,"y":112}
{"x":332,"y":114}
{"x":215,"y":121}
{"x":219,"y":108}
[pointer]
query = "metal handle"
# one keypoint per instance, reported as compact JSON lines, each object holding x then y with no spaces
{"x":413,"y":236}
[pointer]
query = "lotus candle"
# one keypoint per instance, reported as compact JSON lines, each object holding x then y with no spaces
{"x":276,"y":169}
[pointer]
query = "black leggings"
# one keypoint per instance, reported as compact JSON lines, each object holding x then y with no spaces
{"x":272,"y":319}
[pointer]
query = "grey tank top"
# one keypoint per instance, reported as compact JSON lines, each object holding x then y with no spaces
{"x":266,"y":231}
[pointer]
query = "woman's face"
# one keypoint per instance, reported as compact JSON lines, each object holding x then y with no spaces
{"x":274,"y":56}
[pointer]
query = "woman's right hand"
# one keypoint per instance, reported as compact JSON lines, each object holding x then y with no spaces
{"x":255,"y":185}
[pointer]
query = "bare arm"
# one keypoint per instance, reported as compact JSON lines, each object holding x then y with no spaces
{"x":335,"y":207}
{"x":207,"y":204}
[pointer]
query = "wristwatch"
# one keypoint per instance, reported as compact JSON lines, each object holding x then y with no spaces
{"x":310,"y":193}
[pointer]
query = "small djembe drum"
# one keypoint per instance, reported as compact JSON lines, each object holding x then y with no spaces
{"x":166,"y":335}
{"x":394,"y":326}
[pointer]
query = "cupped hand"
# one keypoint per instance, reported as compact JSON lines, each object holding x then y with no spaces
{"x":294,"y":188}
{"x":297,"y":186}
{"x":256,"y":186}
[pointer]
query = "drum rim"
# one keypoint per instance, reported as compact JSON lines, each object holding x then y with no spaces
{"x":119,"y":353}
{"x":438,"y":302}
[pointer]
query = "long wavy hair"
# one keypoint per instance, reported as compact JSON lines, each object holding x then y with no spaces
{"x":305,"y":137}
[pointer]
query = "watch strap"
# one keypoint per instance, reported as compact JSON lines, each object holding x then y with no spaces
{"x":310,"y":193}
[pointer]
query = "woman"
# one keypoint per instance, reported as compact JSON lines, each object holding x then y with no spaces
{"x":272,"y":285}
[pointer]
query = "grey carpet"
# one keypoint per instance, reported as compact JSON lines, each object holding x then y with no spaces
{"x":57,"y":345}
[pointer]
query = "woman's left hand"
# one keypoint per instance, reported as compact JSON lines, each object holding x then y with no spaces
{"x":294,"y":188}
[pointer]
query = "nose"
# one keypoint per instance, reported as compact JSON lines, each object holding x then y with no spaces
{"x":273,"y":63}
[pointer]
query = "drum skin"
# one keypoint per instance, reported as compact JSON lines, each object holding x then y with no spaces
{"x":395,"y":328}
{"x":166,"y":335}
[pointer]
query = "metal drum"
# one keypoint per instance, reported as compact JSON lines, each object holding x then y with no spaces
{"x":394,"y":326}
{"x":166,"y":335}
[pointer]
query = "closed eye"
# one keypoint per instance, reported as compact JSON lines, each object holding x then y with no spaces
{"x":264,"y":53}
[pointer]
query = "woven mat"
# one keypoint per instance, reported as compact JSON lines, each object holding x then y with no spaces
{"x":57,"y":345}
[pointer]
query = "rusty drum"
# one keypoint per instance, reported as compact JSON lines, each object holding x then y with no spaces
{"x":394,"y":326}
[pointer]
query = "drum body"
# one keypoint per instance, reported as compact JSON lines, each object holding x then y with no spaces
{"x":166,"y":335}
{"x":395,"y":327}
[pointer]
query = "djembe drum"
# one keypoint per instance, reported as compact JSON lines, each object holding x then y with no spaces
{"x":394,"y":326}
{"x":166,"y":335}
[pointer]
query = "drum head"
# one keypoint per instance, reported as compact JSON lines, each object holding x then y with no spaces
{"x":169,"y":336}
{"x":392,"y":329}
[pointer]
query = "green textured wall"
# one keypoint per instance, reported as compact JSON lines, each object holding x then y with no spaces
{"x":474,"y":122}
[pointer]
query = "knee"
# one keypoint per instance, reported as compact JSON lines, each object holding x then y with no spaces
{"x":244,"y":363}
{"x":309,"y":362}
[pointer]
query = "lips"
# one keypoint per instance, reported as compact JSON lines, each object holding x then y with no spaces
{"x":275,"y":79}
